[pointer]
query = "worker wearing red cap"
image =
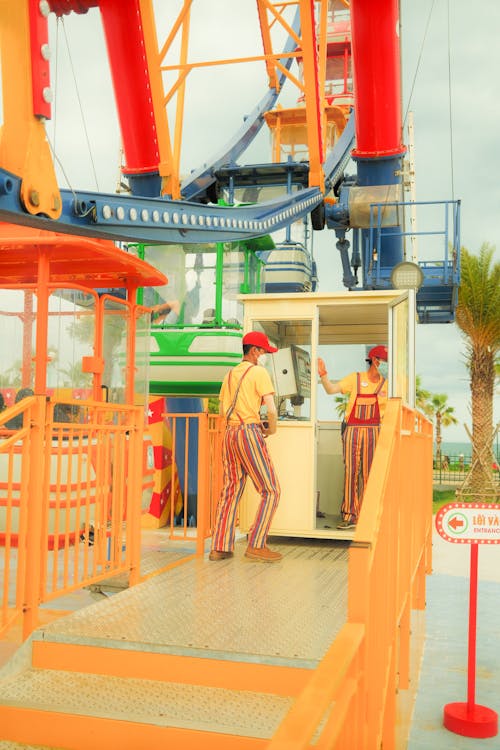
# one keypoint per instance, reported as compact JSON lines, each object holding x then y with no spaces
{"x":245,"y":389}
{"x":364,"y":411}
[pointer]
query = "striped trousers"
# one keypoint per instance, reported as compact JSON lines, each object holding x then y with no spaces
{"x":245,"y":454}
{"x":359,"y":448}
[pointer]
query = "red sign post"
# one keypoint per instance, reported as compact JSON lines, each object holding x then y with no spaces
{"x":473,"y":524}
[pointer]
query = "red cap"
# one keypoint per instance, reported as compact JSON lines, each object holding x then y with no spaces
{"x":256,"y":338}
{"x":380,"y":352}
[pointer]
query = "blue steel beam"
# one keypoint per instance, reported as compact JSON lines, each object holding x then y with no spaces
{"x":157,"y":220}
{"x":337,"y":158}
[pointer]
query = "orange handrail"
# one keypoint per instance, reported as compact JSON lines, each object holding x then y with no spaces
{"x":68,"y":504}
{"x":350,"y":700}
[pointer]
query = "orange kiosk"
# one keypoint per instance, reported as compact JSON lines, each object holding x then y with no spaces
{"x":73,"y":333}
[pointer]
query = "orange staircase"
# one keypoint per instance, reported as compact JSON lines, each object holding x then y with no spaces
{"x":236,"y":654}
{"x":206,"y":655}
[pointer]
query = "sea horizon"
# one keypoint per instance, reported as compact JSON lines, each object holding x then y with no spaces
{"x":455,"y":448}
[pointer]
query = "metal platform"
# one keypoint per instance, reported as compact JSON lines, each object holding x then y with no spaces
{"x":284,"y":613}
{"x":259,"y":616}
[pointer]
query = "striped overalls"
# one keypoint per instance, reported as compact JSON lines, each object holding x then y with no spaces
{"x":359,"y":441}
{"x":245,"y":453}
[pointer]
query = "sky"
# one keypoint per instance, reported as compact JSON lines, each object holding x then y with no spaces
{"x":453,"y":93}
{"x":450,"y":63}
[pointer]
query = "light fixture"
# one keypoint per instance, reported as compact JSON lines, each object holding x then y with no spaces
{"x":407,"y":275}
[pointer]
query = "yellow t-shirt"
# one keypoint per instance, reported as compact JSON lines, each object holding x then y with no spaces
{"x":349,"y":385}
{"x":256,"y":384}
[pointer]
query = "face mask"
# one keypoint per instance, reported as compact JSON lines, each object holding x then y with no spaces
{"x":262,"y":359}
{"x":383,"y":369}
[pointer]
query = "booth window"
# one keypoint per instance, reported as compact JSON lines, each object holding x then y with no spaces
{"x":290,"y":366}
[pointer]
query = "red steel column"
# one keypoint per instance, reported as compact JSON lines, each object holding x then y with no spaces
{"x":377,"y":77}
{"x":129,"y":70}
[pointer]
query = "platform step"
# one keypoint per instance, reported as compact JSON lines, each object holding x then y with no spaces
{"x":276,"y":679}
{"x":205,"y":656}
{"x":77,"y":710}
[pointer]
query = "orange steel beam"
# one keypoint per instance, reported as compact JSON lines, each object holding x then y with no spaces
{"x":25,"y":725}
{"x":168,"y":167}
{"x":188,"y":67}
{"x":267,"y":44}
{"x":264,"y":8}
{"x":33,"y":454}
{"x":143,"y":665}
{"x":203,"y":484}
{"x":24,"y":149}
{"x":179,"y":119}
{"x":312,"y":51}
{"x":270,"y":15}
{"x":313,"y":95}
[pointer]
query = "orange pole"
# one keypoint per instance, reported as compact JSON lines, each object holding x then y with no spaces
{"x":203,"y":483}
{"x":33,"y":445}
{"x":131,"y":333}
{"x":134,"y":495}
{"x":41,"y":358}
{"x":27,"y":320}
{"x":97,"y":392}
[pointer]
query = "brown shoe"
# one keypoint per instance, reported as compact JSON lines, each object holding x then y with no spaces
{"x":262,"y":554}
{"x":220,"y":554}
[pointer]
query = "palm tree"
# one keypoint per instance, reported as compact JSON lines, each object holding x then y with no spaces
{"x":422,"y":398}
{"x":341,"y":404}
{"x":478,"y":317}
{"x":442,"y":414}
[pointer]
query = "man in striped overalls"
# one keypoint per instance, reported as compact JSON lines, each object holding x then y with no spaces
{"x":365,"y":409}
{"x":245,"y":389}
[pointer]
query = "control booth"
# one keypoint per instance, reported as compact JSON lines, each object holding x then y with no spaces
{"x":307,"y":447}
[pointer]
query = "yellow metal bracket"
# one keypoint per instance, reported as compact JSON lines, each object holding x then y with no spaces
{"x":24,"y":149}
{"x":39,"y":189}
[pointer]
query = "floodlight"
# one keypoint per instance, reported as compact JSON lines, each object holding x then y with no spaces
{"x":407,"y":275}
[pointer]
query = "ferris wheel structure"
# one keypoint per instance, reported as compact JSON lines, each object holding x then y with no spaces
{"x":342,"y":59}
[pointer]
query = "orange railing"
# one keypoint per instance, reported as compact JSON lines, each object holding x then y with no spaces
{"x":69,"y":499}
{"x":18,"y":483}
{"x":350,"y":701}
{"x":71,"y":480}
{"x":205,"y":464}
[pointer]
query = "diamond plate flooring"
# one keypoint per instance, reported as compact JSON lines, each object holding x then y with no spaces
{"x":285,"y":613}
{"x":167,"y":704}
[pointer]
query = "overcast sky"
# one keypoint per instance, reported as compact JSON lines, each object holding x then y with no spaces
{"x":450,"y":83}
{"x":456,"y":155}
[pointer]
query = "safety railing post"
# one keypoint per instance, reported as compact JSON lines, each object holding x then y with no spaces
{"x":203,"y":511}
{"x":133,"y":517}
{"x":35,"y":444}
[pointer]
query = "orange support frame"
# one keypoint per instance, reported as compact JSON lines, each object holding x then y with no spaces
{"x":60,"y":479}
{"x":24,"y":149}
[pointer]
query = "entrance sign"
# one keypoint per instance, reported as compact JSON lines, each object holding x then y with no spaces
{"x":469,"y":523}
{"x":474,"y":524}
